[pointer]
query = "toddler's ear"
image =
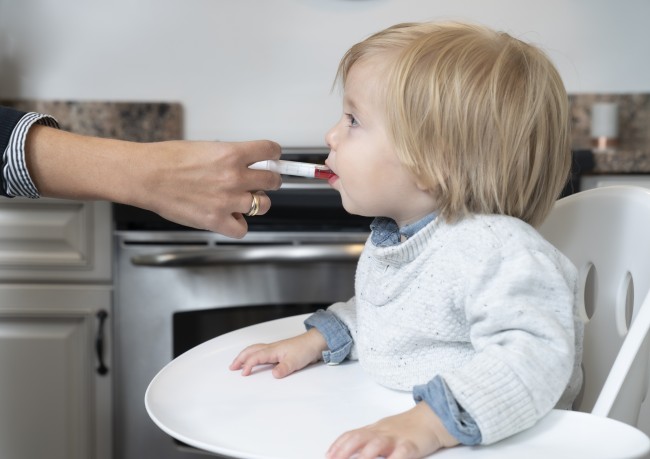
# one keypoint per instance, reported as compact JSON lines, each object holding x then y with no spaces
{"x":422,"y":185}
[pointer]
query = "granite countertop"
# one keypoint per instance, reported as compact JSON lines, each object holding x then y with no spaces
{"x":134,"y":121}
{"x":633,"y":161}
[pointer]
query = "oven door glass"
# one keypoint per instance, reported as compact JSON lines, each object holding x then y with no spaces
{"x":191,"y":328}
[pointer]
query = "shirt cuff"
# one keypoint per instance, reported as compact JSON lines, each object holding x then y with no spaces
{"x":17,"y":180}
{"x":336,"y":334}
{"x":456,"y":420}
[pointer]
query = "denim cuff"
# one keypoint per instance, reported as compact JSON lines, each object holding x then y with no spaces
{"x":336,"y":334}
{"x":456,"y":420}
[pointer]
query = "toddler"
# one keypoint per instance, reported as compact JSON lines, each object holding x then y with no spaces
{"x":456,"y":138}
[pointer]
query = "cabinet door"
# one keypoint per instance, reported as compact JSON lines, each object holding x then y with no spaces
{"x":53,"y":402}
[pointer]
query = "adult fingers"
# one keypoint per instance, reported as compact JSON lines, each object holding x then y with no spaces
{"x":253,"y":179}
{"x":234,"y":226}
{"x":258,"y":150}
{"x":257,"y":202}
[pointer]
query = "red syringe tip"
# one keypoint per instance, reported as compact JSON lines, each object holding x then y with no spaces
{"x":324,"y":174}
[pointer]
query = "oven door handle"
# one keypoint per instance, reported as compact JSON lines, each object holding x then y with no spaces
{"x":254,"y":254}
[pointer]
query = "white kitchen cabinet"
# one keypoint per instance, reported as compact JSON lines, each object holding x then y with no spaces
{"x":55,"y":282}
{"x":588,"y":182}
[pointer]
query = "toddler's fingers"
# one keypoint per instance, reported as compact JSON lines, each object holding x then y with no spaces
{"x":241,"y":358}
{"x":283,"y":368}
{"x":347,"y":444}
{"x":258,"y":358}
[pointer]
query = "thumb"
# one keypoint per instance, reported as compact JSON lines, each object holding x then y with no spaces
{"x":283,"y":369}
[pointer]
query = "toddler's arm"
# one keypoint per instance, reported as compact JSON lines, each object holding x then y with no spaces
{"x":290,"y":354}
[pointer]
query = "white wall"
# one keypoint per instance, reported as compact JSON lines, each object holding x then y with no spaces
{"x":264,"y":68}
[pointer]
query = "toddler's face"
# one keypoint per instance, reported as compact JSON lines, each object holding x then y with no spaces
{"x":371,"y":179}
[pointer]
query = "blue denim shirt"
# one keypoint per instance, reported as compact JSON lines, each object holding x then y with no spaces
{"x":435,"y":393}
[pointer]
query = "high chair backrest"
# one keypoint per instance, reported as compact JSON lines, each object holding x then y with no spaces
{"x":606,"y":234}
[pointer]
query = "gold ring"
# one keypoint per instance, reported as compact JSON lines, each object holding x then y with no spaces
{"x":255,"y":205}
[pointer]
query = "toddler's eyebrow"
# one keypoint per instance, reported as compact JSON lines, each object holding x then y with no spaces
{"x":350,"y":105}
{"x":349,"y":101}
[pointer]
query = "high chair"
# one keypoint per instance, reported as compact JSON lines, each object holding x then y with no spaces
{"x":606,"y":233}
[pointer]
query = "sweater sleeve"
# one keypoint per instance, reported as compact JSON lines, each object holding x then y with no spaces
{"x":520,"y":312}
{"x":14,"y":126}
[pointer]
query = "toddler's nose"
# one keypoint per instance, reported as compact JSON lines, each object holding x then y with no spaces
{"x":330,"y":138}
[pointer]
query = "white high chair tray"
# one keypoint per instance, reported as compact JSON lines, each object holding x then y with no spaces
{"x":199,"y":401}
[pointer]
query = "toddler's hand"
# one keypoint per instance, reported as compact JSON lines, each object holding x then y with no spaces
{"x":290,"y":354}
{"x":410,"y":435}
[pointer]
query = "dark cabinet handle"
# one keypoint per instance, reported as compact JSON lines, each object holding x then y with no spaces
{"x":102,"y":369}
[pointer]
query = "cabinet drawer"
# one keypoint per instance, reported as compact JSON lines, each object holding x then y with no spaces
{"x":52,"y":239}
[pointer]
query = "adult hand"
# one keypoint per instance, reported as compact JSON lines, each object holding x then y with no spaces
{"x":205,"y":185}
{"x":208,"y":185}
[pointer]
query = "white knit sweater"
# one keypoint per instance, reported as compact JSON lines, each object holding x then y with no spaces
{"x":486,"y":303}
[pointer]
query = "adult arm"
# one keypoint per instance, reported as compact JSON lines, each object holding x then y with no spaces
{"x":206,"y":185}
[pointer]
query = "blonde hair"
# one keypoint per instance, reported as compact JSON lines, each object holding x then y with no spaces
{"x":479,"y":117}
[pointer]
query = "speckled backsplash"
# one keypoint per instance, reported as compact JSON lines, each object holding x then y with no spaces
{"x":145,"y":121}
{"x":633,"y":117}
{"x":135,"y":121}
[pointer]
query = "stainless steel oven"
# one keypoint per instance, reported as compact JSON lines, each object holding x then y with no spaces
{"x":176,"y":288}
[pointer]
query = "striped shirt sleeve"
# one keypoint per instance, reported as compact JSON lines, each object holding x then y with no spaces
{"x":17,"y":181}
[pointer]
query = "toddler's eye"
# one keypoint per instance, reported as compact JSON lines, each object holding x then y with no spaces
{"x":352,"y":121}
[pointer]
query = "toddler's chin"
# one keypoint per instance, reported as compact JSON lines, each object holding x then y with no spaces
{"x":352,"y":209}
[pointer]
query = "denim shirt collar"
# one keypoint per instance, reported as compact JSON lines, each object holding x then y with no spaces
{"x":386,"y":233}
